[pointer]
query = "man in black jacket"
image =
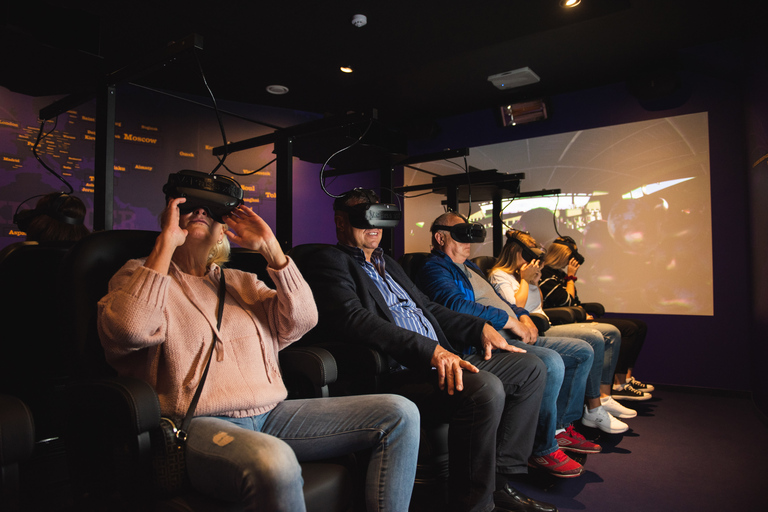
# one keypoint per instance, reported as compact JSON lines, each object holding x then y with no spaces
{"x":364,"y":296}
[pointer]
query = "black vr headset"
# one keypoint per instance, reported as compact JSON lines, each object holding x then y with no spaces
{"x":24,"y":217}
{"x":571,"y":244}
{"x":218,"y":195}
{"x":370,"y":214}
{"x":465,"y":233}
{"x":529,"y":253}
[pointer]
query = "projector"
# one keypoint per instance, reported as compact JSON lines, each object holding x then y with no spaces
{"x":514,"y":78}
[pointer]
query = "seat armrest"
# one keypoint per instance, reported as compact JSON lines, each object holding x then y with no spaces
{"x":17,"y":431}
{"x":108,"y":436}
{"x":540,"y":321}
{"x":565,"y":315}
{"x":132,"y":401}
{"x":361,"y":368}
{"x":307,"y":371}
{"x":594,"y":308}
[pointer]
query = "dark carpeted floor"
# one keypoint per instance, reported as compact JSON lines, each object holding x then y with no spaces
{"x":685,"y":451}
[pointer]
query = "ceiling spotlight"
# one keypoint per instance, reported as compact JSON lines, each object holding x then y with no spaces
{"x":346,"y":69}
{"x":277,"y":89}
{"x":567,"y":4}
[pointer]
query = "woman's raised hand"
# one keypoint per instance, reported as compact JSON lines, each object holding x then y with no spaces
{"x":573,"y":267}
{"x":170,"y":230}
{"x":249,"y":230}
{"x":531,"y":272}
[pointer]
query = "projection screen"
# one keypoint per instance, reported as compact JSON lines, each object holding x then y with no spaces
{"x":635,"y":197}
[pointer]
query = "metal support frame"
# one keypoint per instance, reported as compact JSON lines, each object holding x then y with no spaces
{"x":104,"y":92}
{"x":492,"y":185}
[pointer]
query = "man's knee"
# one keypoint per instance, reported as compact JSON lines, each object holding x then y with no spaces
{"x":484,"y":389}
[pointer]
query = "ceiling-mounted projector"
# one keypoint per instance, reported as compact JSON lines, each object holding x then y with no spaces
{"x":514,"y":78}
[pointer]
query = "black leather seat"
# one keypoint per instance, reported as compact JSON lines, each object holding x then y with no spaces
{"x":110,"y":418}
{"x":17,"y":441}
{"x":32,"y":365}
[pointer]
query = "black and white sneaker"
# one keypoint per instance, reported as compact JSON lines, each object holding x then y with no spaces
{"x":640,"y":386}
{"x":627,"y":392}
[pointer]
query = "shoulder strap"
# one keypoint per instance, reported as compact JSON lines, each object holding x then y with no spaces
{"x":181,"y":433}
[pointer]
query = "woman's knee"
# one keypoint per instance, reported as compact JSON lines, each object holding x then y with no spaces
{"x":242,"y":465}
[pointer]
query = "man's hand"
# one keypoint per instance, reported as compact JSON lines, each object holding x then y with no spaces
{"x":524,"y":331}
{"x":449,"y":369}
{"x":491,"y":339}
{"x":529,"y":323}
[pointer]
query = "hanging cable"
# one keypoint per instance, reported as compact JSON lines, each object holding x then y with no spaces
{"x":218,"y":115}
{"x":322,"y":169}
{"x":40,"y":137}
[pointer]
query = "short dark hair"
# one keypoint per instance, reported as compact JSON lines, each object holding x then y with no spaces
{"x":355,"y":196}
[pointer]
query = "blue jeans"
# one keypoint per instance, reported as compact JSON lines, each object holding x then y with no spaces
{"x":254,"y":460}
{"x":568,"y":363}
{"x":605,"y":340}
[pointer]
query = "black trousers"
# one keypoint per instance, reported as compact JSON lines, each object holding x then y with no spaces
{"x":633,"y":334}
{"x":492,"y":422}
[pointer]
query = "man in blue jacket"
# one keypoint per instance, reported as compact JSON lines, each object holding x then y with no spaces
{"x":451,"y":279}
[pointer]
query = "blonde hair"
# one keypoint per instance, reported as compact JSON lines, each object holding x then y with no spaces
{"x":557,"y":255}
{"x":220,"y":252}
{"x":507,"y":260}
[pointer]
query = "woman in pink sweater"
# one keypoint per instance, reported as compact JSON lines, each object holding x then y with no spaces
{"x":158,"y":323}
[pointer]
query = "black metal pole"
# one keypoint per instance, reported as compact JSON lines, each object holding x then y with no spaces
{"x":104,"y":162}
{"x":284,"y":189}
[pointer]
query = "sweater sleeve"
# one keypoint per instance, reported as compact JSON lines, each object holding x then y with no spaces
{"x":294,"y":312}
{"x":131,"y":315}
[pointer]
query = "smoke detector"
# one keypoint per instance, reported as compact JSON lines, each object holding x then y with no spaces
{"x":359,"y":20}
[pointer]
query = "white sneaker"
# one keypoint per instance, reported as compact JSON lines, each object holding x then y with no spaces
{"x":603,"y":420}
{"x":617,"y":410}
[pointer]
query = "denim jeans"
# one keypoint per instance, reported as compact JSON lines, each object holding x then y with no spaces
{"x":568,"y":363}
{"x":605,"y":340}
{"x":254,"y":460}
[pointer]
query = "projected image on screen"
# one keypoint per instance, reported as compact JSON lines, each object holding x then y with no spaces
{"x":635,"y":197}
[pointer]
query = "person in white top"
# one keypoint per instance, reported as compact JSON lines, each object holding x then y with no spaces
{"x":515,"y":276}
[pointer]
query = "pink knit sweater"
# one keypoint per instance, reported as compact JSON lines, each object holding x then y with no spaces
{"x":159,"y":328}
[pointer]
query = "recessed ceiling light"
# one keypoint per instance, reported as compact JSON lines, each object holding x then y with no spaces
{"x":277,"y":89}
{"x":569,"y":3}
{"x":346,"y":69}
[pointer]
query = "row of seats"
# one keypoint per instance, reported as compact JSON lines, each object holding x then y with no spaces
{"x":103,"y":423}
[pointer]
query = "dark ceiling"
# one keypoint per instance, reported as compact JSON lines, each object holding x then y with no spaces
{"x":414,"y":61}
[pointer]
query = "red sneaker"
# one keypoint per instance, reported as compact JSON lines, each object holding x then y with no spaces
{"x":558,"y":464}
{"x":573,"y":441}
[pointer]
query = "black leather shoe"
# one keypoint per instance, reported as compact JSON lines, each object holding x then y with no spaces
{"x":512,"y":500}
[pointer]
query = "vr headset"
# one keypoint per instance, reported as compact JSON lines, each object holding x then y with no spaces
{"x":465,"y":233}
{"x":24,"y":217}
{"x":218,"y":195}
{"x":529,"y":253}
{"x":372,"y":215}
{"x":571,"y":244}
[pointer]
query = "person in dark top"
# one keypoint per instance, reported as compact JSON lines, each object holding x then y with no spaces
{"x":558,"y":288}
